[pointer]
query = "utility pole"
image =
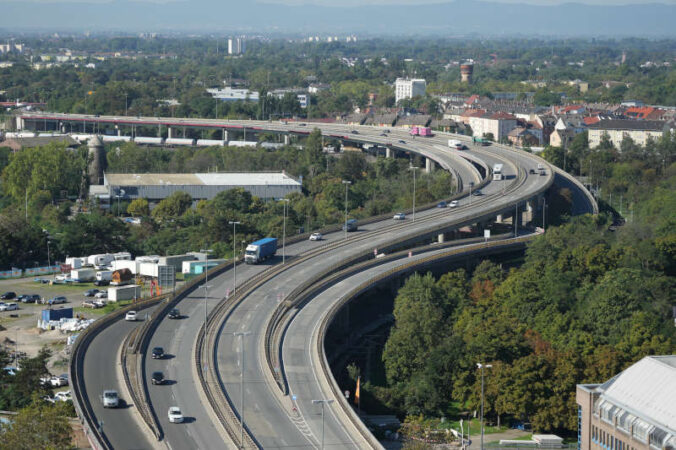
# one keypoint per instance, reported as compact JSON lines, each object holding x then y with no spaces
{"x":413,"y":168}
{"x":322,"y":402}
{"x":234,"y":256}
{"x":481,"y":367}
{"x":286,"y":202}
{"x":241,"y":335}
{"x":346,"y":183}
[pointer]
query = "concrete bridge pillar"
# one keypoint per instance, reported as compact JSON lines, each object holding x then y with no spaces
{"x":225,"y":135}
{"x":498,"y":219}
{"x":388,"y":152}
{"x":20,"y":123}
{"x":170,"y":133}
{"x":441,"y":238}
{"x":286,"y":139}
{"x":429,"y":165}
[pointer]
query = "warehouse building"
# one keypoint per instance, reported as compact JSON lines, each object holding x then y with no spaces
{"x":634,"y":410}
{"x":200,"y":186}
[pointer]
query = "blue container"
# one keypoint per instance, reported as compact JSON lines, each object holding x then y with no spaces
{"x":57,"y":314}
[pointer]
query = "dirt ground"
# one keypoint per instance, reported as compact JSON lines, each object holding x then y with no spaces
{"x":20,"y":331}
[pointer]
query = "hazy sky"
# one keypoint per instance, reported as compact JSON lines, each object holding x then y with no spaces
{"x":386,"y":2}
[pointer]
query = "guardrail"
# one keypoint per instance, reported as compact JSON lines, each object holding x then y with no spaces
{"x":81,"y":402}
{"x":395,"y":272}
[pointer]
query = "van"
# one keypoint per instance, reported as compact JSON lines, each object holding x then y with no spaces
{"x":350,"y":225}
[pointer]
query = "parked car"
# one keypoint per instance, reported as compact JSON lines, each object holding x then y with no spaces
{"x":101,"y":294}
{"x":157,"y":353}
{"x":131,"y":316}
{"x":316,"y":236}
{"x":58,"y":381}
{"x":30,"y":298}
{"x":399,"y":216}
{"x":9,"y":307}
{"x":442,"y":204}
{"x":175,"y":414}
{"x":91,"y":292}
{"x":174,"y":314}
{"x":91,"y":304}
{"x":57,"y":300}
{"x":453,"y":204}
{"x":10,"y":370}
{"x":110,"y":399}
{"x":8,"y":295}
{"x":63,"y":396}
{"x":101,"y":283}
{"x":157,"y":378}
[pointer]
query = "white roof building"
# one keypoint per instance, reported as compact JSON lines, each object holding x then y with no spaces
{"x":406,"y":88}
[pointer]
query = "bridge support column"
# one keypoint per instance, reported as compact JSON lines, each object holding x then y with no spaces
{"x":225,"y":135}
{"x":388,"y":152}
{"x":119,"y":131}
{"x":441,"y":238}
{"x":170,"y":133}
{"x":429,"y":165}
{"x":498,"y":219}
{"x":286,"y":139}
{"x":20,"y":123}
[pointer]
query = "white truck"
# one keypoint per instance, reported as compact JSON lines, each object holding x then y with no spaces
{"x":129,"y":292}
{"x":101,"y":261}
{"x":83,"y":275}
{"x":455,"y":144}
{"x":497,"y":172}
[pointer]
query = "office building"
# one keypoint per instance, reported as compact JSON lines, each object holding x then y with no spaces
{"x":634,"y":410}
{"x":236,"y":46}
{"x":406,"y":88}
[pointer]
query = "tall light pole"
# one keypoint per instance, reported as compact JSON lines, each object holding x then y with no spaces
{"x":544,"y":210}
{"x":481,"y":367}
{"x":346,"y":183}
{"x":49,"y":261}
{"x":120,"y":193}
{"x":241,"y":335}
{"x":286,"y":202}
{"x":206,"y":264}
{"x":206,"y":288}
{"x":322,"y":402}
{"x":234,"y":256}
{"x":413,"y":168}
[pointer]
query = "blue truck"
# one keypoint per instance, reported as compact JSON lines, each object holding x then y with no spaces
{"x":260,"y":250}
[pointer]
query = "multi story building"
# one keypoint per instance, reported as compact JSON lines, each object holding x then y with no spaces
{"x":236,"y":46}
{"x":634,"y":410}
{"x":498,"y":124}
{"x":406,"y":88}
{"x":617,"y":129}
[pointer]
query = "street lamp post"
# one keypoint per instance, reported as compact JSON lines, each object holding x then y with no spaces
{"x":234,"y":256}
{"x":49,"y":260}
{"x":241,"y":335}
{"x":413,"y":168}
{"x":206,"y":295}
{"x":286,"y":202}
{"x":322,"y":402}
{"x":346,"y":183}
{"x":482,"y":366}
{"x":120,"y":194}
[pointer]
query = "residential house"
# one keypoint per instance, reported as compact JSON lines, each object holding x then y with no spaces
{"x":561,"y":138}
{"x":523,"y":137}
{"x":617,"y":129}
{"x":498,"y":124}
{"x":381,"y":120}
{"x":418,"y":120}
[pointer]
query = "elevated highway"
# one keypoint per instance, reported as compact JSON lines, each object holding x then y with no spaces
{"x":270,"y":418}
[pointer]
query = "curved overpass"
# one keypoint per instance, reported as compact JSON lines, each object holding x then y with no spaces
{"x":268,"y":415}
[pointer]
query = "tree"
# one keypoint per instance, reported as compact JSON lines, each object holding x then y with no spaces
{"x":39,"y":425}
{"x":544,"y":97}
{"x":173,"y":206}
{"x":138,"y":207}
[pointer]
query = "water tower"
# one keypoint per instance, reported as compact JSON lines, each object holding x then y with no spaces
{"x":466,"y":70}
{"x":97,"y":160}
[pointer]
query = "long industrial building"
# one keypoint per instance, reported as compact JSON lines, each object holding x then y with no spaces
{"x":200,"y":186}
{"x":634,"y":410}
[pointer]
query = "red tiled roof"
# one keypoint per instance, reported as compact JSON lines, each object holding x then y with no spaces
{"x":502,"y":116}
{"x":473,"y":113}
{"x":639,"y":112}
{"x":473,"y":99}
{"x":591,"y":120}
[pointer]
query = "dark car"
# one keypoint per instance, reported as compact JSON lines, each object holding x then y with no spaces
{"x":531,"y":171}
{"x":175,"y":314}
{"x":101,"y":283}
{"x":477,"y":193}
{"x":441,"y":205}
{"x":354,"y":132}
{"x":158,"y":353}
{"x":8,"y":295}
{"x":401,"y":141}
{"x":91,"y":292}
{"x":157,"y":378}
{"x":29,"y":298}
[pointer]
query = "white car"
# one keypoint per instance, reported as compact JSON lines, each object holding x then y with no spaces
{"x":175,"y":415}
{"x":399,"y":216}
{"x":101,"y":294}
{"x":453,"y":204}
{"x":316,"y":237}
{"x":58,"y":381}
{"x":131,"y":316}
{"x":63,"y":396}
{"x":9,"y":307}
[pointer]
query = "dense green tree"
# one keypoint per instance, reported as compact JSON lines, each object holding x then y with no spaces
{"x":172,"y":207}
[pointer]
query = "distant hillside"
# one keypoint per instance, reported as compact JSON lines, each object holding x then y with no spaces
{"x":449,"y":19}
